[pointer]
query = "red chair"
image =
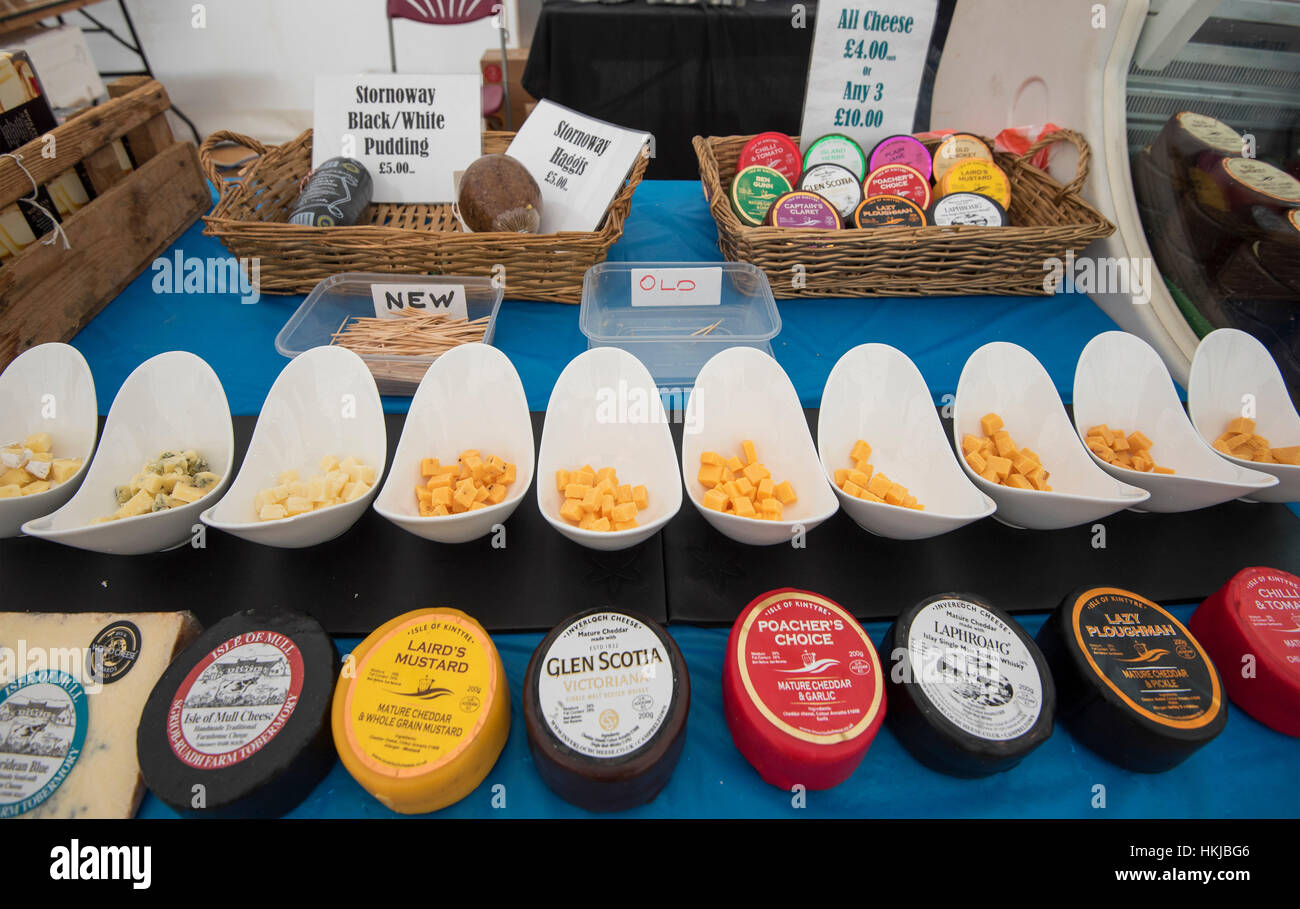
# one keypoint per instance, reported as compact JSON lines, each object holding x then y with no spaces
{"x":456,"y":12}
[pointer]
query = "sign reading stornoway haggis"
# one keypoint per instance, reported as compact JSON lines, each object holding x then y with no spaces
{"x":411,"y":131}
{"x":579,"y":162}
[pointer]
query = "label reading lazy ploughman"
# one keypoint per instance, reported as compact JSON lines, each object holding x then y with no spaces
{"x":975,"y":670}
{"x":888,"y":211}
{"x":43,"y":721}
{"x":809,"y":668}
{"x":606,"y":685}
{"x":417,"y":698}
{"x":1147,"y":658}
{"x":235,"y":700}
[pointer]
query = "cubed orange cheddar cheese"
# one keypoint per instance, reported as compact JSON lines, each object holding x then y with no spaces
{"x":749,"y":452}
{"x":990,"y":423}
{"x":595,"y":500}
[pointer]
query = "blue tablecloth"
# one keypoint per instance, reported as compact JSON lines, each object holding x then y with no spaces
{"x":1250,"y":771}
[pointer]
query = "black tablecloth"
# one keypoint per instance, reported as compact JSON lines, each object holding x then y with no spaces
{"x":682,"y":71}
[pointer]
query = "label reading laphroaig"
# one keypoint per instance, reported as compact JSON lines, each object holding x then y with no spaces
{"x":606,"y":685}
{"x":1147,"y":658}
{"x":975,"y":669}
{"x":419,"y":696}
{"x":43,"y":720}
{"x":809,"y":668}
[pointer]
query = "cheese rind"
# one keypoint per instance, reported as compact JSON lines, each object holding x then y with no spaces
{"x":115,"y":660}
{"x":426,"y":661}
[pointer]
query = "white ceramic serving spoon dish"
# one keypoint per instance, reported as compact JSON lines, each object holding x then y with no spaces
{"x":48,"y":388}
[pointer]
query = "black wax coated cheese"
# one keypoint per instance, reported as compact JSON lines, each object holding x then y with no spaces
{"x":613,"y":783}
{"x":934,"y":739}
{"x":1100,"y":719}
{"x":243,"y":713}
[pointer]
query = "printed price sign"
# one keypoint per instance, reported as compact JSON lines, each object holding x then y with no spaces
{"x":412,"y":132}
{"x":676,"y":286}
{"x":865,"y":71}
{"x":391,"y":299}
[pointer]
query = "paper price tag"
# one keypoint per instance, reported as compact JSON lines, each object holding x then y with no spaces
{"x":391,"y":299}
{"x":412,"y":132}
{"x":676,"y":286}
{"x":865,"y":69}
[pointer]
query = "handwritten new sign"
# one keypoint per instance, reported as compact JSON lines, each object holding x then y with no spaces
{"x":865,"y":71}
{"x":412,"y":132}
{"x":392,"y":299}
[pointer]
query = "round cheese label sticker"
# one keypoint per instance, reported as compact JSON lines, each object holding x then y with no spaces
{"x":1211,"y":132}
{"x":975,"y":669}
{"x":1264,"y":179}
{"x":606,"y":685}
{"x":235,"y":700}
{"x":810,"y":668}
{"x":43,"y":719}
{"x":1268,"y":607}
{"x":1147,"y":658}
{"x":420,"y":695}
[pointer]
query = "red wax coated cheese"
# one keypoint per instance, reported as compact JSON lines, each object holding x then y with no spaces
{"x":775,"y":150}
{"x":1251,"y":629}
{"x":802,"y":689}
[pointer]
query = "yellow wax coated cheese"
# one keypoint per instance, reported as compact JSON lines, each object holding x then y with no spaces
{"x":422,"y":710}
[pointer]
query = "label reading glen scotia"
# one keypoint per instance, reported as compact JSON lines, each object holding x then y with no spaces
{"x":235,"y":700}
{"x":606,"y":685}
{"x":43,"y":719}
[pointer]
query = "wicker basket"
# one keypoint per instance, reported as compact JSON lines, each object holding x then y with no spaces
{"x":914,"y":261}
{"x":249,"y":219}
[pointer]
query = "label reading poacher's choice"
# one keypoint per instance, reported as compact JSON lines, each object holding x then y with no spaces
{"x":235,"y":700}
{"x":809,"y":668}
{"x":43,"y":720}
{"x":606,"y":685}
{"x":975,"y":670}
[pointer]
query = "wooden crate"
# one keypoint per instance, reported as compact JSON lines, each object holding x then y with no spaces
{"x":48,"y":293}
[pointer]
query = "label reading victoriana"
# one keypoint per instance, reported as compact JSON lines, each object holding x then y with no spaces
{"x":43,"y":718}
{"x":1147,"y":658}
{"x":606,"y":685}
{"x":235,"y":700}
{"x":974,"y":668}
{"x":809,"y":668}
{"x":419,"y":695}
{"x":1270,"y":611}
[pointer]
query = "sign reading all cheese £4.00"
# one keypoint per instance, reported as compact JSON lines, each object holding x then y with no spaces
{"x":412,"y":132}
{"x":865,"y":71}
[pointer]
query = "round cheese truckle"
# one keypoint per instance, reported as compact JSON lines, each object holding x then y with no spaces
{"x":802,"y":689}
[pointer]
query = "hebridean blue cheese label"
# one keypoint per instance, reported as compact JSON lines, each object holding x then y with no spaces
{"x":606,"y":685}
{"x":43,"y":720}
{"x":975,"y":669}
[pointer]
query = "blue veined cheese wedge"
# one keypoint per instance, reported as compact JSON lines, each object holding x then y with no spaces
{"x":72,"y":687}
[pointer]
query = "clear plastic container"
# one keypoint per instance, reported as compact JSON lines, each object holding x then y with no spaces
{"x":340,"y":297}
{"x":669,"y":340}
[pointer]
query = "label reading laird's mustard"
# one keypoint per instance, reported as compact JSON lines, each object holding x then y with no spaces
{"x":1147,"y":658}
{"x":420,"y":695}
